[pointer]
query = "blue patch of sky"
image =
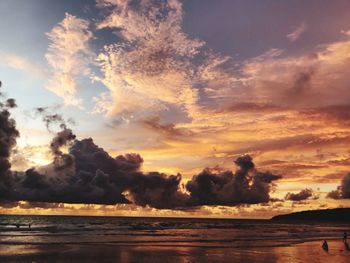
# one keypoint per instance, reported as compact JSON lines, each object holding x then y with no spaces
{"x":249,"y":28}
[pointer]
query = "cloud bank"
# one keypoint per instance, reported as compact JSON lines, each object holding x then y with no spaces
{"x":87,"y":174}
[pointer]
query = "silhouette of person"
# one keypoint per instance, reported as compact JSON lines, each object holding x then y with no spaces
{"x":345,"y":237}
{"x":325,"y":245}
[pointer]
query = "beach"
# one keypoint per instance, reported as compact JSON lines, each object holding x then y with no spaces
{"x":117,"y":239}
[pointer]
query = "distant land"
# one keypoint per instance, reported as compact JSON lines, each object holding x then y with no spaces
{"x":337,"y":214}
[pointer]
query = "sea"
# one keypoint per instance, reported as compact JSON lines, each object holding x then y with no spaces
{"x":155,"y":233}
{"x":169,"y":231}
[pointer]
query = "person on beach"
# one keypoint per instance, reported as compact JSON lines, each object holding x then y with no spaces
{"x":345,"y":237}
{"x":325,"y":246}
{"x":347,"y":246}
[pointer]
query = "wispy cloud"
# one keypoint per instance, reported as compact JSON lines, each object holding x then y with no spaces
{"x":20,"y":63}
{"x":68,"y":55}
{"x":152,"y":65}
{"x":297,"y":32}
{"x":345,"y":32}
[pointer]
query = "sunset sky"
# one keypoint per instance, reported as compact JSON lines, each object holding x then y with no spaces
{"x":186,"y":85}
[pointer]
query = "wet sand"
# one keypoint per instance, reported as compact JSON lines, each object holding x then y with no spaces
{"x":303,"y":252}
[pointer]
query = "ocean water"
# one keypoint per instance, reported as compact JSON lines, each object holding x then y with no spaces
{"x":170,"y":232}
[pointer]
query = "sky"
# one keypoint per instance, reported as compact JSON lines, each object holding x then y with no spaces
{"x":182,"y":99}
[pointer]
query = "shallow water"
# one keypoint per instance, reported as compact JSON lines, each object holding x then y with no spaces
{"x":162,"y":231}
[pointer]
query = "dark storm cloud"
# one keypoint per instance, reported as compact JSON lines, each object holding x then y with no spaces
{"x":301,"y":196}
{"x":158,"y":190}
{"x":90,"y":177}
{"x":8,"y":133}
{"x":246,"y":186}
{"x":10,"y":103}
{"x":34,"y":180}
{"x":8,"y":136}
{"x":62,"y":138}
{"x":50,"y":118}
{"x":87,"y":174}
{"x":98,"y":178}
{"x":335,"y":194}
{"x":94,"y":177}
{"x":343,"y":191}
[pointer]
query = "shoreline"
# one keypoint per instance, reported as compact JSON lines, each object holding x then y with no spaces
{"x":307,"y":251}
